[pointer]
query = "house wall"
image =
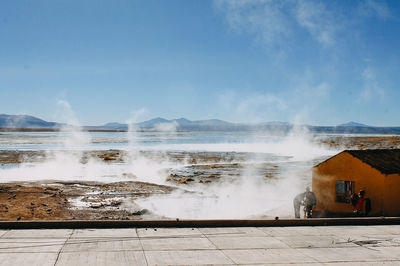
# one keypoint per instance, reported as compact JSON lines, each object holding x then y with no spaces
{"x":348,"y":168}
{"x":392,"y":195}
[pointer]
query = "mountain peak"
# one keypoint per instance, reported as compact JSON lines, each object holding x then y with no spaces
{"x":158,"y":120}
{"x":182,"y":120}
{"x":115,"y":124}
{"x":352,"y":124}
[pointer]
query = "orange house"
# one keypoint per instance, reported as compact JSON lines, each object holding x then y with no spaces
{"x":375,"y":171}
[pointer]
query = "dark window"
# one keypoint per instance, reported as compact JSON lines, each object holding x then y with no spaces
{"x":344,"y":190}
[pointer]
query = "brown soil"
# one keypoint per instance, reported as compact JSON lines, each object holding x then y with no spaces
{"x":364,"y":142}
{"x":54,"y":200}
{"x":32,"y":202}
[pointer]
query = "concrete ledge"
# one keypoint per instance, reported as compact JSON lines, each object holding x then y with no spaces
{"x":74,"y":224}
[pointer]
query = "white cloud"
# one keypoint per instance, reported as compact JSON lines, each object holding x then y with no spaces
{"x":319,"y":91}
{"x":293,"y":105}
{"x":257,"y":103}
{"x":255,"y":107}
{"x":317,"y":20}
{"x":371,"y":90}
{"x":375,"y":8}
{"x":335,"y":28}
{"x":306,"y":99}
{"x":265,"y":19}
{"x":274,"y":22}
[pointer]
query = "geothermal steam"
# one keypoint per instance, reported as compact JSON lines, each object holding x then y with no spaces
{"x":248,"y":195}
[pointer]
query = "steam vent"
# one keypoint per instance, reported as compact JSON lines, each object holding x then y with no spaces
{"x":375,"y":171}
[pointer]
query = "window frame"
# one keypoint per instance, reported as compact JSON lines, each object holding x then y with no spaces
{"x":348,"y":190}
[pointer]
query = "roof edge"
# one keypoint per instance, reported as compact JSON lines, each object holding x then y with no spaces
{"x":329,"y":158}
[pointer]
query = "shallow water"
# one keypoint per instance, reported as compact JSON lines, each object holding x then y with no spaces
{"x":122,"y":140}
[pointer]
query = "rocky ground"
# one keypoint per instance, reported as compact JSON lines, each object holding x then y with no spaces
{"x":54,"y":200}
{"x":75,"y":200}
{"x":362,"y":142}
{"x":83,"y":200}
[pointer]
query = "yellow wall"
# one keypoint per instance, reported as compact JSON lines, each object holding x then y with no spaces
{"x":348,"y":168}
{"x":392,"y":195}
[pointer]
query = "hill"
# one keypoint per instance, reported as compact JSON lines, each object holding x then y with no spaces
{"x":10,"y":122}
{"x":353,"y":124}
{"x":25,"y":121}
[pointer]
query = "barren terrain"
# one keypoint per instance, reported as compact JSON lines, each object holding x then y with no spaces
{"x":54,"y":199}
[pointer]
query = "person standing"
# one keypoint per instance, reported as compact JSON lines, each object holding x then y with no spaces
{"x":359,"y":207}
{"x":297,"y":202}
{"x":309,"y":202}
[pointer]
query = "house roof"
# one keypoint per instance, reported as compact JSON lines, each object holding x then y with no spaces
{"x":386,"y":161}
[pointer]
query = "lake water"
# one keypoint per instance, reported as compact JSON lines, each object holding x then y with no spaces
{"x":292,"y":145}
{"x":121,"y":140}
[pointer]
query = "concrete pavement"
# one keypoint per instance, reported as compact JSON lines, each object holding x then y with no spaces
{"x":333,"y":245}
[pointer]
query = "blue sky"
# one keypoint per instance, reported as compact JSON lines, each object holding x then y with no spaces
{"x":313,"y":62}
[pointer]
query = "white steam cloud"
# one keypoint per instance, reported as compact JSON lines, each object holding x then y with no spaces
{"x":250,"y":194}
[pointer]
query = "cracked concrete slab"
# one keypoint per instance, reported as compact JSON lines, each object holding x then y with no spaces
{"x":106,"y":244}
{"x":169,"y":232}
{"x":247,"y":242}
{"x":27,"y":245}
{"x":187,"y":257}
{"x":314,"y":245}
{"x":120,"y":258}
{"x":248,"y":256}
{"x":3,"y":232}
{"x":39,"y":233}
{"x":30,"y":258}
{"x":90,"y":233}
{"x":232,"y":231}
{"x":177,"y":243}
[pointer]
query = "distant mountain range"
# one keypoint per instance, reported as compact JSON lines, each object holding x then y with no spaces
{"x":25,"y":121}
{"x":13,"y":122}
{"x":183,"y":124}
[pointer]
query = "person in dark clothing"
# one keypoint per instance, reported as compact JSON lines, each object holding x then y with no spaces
{"x":354,"y":199}
{"x":309,"y":202}
{"x":359,"y":206}
{"x":368,"y":206}
{"x":296,"y":203}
